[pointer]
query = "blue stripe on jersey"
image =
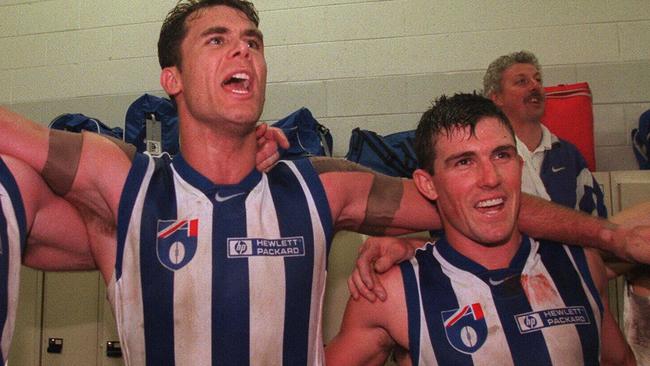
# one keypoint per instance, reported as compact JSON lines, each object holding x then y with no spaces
{"x":8,"y":182}
{"x":230,"y":299}
{"x":580,"y":257}
{"x":567,"y":281}
{"x":320,"y":198}
{"x":509,"y":300}
{"x":4,"y":273}
{"x":412,"y":295}
{"x":439,"y":297}
{"x":294,"y":220}
{"x":157,"y":281}
{"x":125,"y":210}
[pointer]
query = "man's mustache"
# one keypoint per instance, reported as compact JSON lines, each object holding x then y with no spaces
{"x":534,"y":95}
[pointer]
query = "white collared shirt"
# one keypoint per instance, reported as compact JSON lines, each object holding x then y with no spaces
{"x":531,"y":182}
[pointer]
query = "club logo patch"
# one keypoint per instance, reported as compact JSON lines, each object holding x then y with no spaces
{"x":293,"y":246}
{"x":465,"y":328}
{"x":536,"y":320}
{"x":176,"y":242}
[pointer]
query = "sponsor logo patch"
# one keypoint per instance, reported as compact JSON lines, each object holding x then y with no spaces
{"x":465,"y":328}
{"x":536,"y":320}
{"x":262,"y":247}
{"x":176,"y":242}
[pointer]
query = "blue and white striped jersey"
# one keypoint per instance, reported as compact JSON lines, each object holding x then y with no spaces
{"x":12,"y":244}
{"x":221,"y":274}
{"x":544,"y":309}
{"x":563,"y":169}
{"x":556,"y":171}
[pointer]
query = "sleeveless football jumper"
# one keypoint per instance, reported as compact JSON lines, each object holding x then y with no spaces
{"x":12,"y":244}
{"x":221,"y":274}
{"x":543,"y":309}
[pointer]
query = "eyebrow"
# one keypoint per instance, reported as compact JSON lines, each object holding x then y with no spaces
{"x":251,"y":32}
{"x":505,"y":147}
{"x":464,"y":154}
{"x":525,"y":75}
{"x":468,"y":154}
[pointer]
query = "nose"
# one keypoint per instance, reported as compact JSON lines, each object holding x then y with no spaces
{"x":489,"y":176}
{"x":240,"y":49}
{"x":535,"y":84}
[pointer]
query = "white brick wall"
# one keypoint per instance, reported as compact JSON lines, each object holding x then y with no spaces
{"x":375,"y":64}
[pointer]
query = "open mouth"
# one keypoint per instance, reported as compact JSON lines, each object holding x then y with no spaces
{"x":238,"y":83}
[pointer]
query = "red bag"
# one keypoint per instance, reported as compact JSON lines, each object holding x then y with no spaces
{"x":569,"y":115}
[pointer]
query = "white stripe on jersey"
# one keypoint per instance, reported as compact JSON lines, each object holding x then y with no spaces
{"x":193,"y":284}
{"x":13,"y":280}
{"x":265,"y":269}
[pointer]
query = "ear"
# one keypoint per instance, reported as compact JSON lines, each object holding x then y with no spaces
{"x":496,"y":98}
{"x":170,"y":80}
{"x":424,"y":182}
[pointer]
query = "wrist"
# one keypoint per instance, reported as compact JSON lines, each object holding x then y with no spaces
{"x":610,"y":236}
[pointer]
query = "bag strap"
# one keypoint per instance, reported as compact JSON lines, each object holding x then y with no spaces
{"x":384,"y":153}
{"x":323,"y":132}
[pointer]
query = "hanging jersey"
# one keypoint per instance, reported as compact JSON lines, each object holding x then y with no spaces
{"x":542,"y":310}
{"x":12,"y":243}
{"x":221,"y":274}
{"x":556,"y":171}
{"x":569,"y":182}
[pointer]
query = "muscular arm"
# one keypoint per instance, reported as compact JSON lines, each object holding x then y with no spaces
{"x":543,"y":219}
{"x":614,"y":348}
{"x":372,"y":203}
{"x":57,"y":237}
{"x":370,"y":331}
{"x":90,"y":170}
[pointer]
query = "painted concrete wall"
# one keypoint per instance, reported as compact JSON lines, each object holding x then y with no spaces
{"x":373,"y":64}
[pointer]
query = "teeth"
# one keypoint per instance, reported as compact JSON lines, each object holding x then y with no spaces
{"x":241,"y":75}
{"x":490,"y":203}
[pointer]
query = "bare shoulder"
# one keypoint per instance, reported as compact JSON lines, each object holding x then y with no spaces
{"x":325,"y":165}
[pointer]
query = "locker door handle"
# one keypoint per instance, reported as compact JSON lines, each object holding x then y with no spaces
{"x":113,"y":349}
{"x":54,"y":345}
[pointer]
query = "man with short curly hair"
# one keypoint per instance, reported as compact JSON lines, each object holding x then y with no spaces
{"x":554,"y":169}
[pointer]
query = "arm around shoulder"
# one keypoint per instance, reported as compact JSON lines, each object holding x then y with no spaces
{"x":372,"y":203}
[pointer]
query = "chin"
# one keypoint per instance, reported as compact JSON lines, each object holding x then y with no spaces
{"x":495,"y":238}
